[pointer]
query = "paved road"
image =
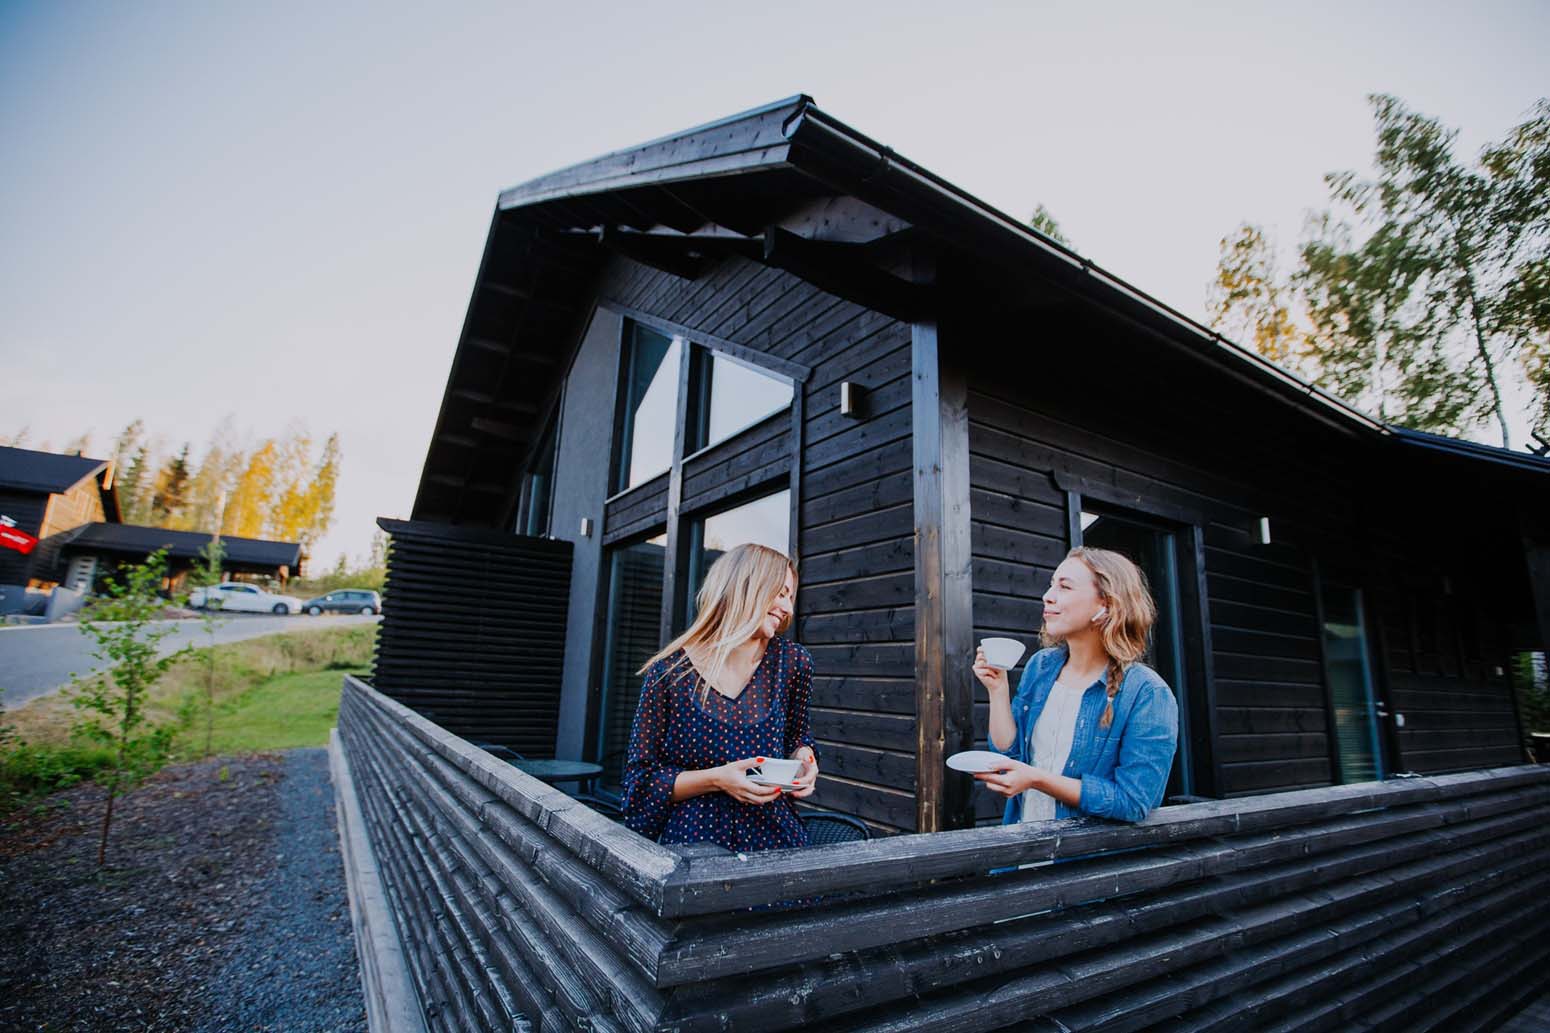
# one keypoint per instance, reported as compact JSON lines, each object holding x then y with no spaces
{"x":35,"y":660}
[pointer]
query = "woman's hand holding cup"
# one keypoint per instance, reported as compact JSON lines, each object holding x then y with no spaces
{"x":807,"y":775}
{"x":993,"y":678}
{"x":732,"y":779}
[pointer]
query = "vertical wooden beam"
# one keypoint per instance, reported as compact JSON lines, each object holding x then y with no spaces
{"x":671,"y":563}
{"x":1536,"y":558}
{"x":794,"y":539}
{"x":1203,"y":705}
{"x":944,"y":609}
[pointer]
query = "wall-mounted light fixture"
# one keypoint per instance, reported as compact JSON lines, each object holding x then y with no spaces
{"x":852,"y":396}
{"x":586,"y":527}
{"x":1264,"y":530}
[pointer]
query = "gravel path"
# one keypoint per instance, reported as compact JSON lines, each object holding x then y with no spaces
{"x":295,"y":966}
{"x":222,"y":906}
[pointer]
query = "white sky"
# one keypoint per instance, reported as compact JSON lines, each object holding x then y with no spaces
{"x":275,"y":211}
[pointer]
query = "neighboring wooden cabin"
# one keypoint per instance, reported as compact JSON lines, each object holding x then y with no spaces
{"x":773,"y":328}
{"x":45,"y":494}
{"x":93,"y":551}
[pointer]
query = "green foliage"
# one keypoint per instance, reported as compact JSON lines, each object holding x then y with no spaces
{"x":1250,"y":301}
{"x":1430,"y":295}
{"x":1045,"y":223}
{"x":112,"y":709}
{"x":1533,"y":693}
{"x":206,"y":573}
{"x":270,"y":693}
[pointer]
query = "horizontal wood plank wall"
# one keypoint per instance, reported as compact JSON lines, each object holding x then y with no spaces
{"x":1415,"y":904}
{"x":1447,"y":676}
{"x":1264,"y":631}
{"x":855,"y":604}
{"x":28,"y":510}
{"x":473,"y":631}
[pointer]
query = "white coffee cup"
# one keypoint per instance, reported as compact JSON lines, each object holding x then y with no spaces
{"x":780,"y":770}
{"x":1002,"y":652}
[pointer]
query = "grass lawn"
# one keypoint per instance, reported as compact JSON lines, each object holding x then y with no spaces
{"x":272,"y":693}
{"x":279,"y":713}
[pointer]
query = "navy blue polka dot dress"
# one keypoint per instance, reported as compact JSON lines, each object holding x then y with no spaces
{"x":675,"y":731}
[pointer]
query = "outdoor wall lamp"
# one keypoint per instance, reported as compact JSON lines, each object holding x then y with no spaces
{"x":586,"y":527}
{"x":851,"y":398}
{"x":1264,"y":530}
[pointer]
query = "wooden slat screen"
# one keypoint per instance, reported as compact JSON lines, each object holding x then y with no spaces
{"x":473,"y":631}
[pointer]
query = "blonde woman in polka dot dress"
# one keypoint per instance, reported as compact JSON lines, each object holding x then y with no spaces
{"x":719,"y":700}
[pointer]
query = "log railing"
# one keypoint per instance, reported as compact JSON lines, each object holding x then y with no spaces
{"x":1410,"y":904}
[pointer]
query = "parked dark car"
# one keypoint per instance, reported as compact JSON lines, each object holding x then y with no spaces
{"x":345,"y":600}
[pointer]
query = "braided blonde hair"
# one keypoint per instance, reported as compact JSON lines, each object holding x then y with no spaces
{"x":1127,"y":627}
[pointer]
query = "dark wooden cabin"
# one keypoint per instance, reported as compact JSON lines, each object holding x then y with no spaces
{"x":775,"y":328}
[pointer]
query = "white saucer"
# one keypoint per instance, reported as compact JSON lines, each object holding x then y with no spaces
{"x":760,"y":780}
{"x":978,"y":760}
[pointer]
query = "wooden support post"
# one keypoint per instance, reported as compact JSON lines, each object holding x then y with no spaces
{"x":944,"y":613}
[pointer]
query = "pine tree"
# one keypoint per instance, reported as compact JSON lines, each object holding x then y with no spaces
{"x":171,"y":490}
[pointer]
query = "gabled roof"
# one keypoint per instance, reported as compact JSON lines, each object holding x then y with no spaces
{"x":724,"y":188}
{"x":135,"y":540}
{"x":23,"y":469}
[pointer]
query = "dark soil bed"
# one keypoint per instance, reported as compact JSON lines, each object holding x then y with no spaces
{"x":221,"y":907}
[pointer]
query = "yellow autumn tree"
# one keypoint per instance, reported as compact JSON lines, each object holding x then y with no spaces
{"x":306,"y":505}
{"x":247,"y":508}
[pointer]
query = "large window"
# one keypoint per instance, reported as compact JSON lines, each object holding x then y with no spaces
{"x":765,"y":521}
{"x":1349,"y":672}
{"x":633,"y":633}
{"x":1154,"y":547}
{"x":646,"y":583}
{"x":650,"y":413}
{"x":537,"y":500}
{"x":729,"y":395}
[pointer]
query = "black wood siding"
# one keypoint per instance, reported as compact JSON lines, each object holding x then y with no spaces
{"x":855,"y":604}
{"x":27,"y":509}
{"x":473,"y":631}
{"x":1044,"y":421}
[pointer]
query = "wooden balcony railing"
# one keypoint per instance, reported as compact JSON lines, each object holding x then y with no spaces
{"x":1410,"y":904}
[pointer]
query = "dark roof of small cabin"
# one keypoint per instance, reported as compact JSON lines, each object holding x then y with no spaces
{"x":23,"y":469}
{"x":723,"y":188}
{"x":135,"y":540}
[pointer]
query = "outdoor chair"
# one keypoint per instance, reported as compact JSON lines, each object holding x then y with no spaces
{"x":505,"y":753}
{"x":825,"y":827}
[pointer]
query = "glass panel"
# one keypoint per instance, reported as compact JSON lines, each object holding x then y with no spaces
{"x":731,"y":395}
{"x":651,"y":407}
{"x":1350,"y":685}
{"x":1155,"y":551}
{"x":765,"y":521}
{"x":633,"y":634}
{"x":538,"y":487}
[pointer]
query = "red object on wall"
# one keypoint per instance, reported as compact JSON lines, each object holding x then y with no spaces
{"x":21,"y":541}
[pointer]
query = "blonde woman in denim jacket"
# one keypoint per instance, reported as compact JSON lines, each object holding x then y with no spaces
{"x":1091,"y":730}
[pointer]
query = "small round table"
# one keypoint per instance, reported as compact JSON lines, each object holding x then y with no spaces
{"x":553,"y":771}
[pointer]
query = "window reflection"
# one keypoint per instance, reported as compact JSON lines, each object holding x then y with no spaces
{"x":634,"y":626}
{"x":1350,"y":685}
{"x":651,"y":406}
{"x":765,"y":521}
{"x":730,"y":395}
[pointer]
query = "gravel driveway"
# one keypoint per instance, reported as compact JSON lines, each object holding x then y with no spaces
{"x":35,"y":660}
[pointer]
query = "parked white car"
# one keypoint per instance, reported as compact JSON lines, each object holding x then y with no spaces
{"x":233,"y":595}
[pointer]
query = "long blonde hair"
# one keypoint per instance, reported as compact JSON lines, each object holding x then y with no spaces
{"x":731,"y":605}
{"x":1127,"y":627}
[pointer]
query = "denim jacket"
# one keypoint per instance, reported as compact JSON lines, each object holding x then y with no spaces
{"x":1124,"y":767}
